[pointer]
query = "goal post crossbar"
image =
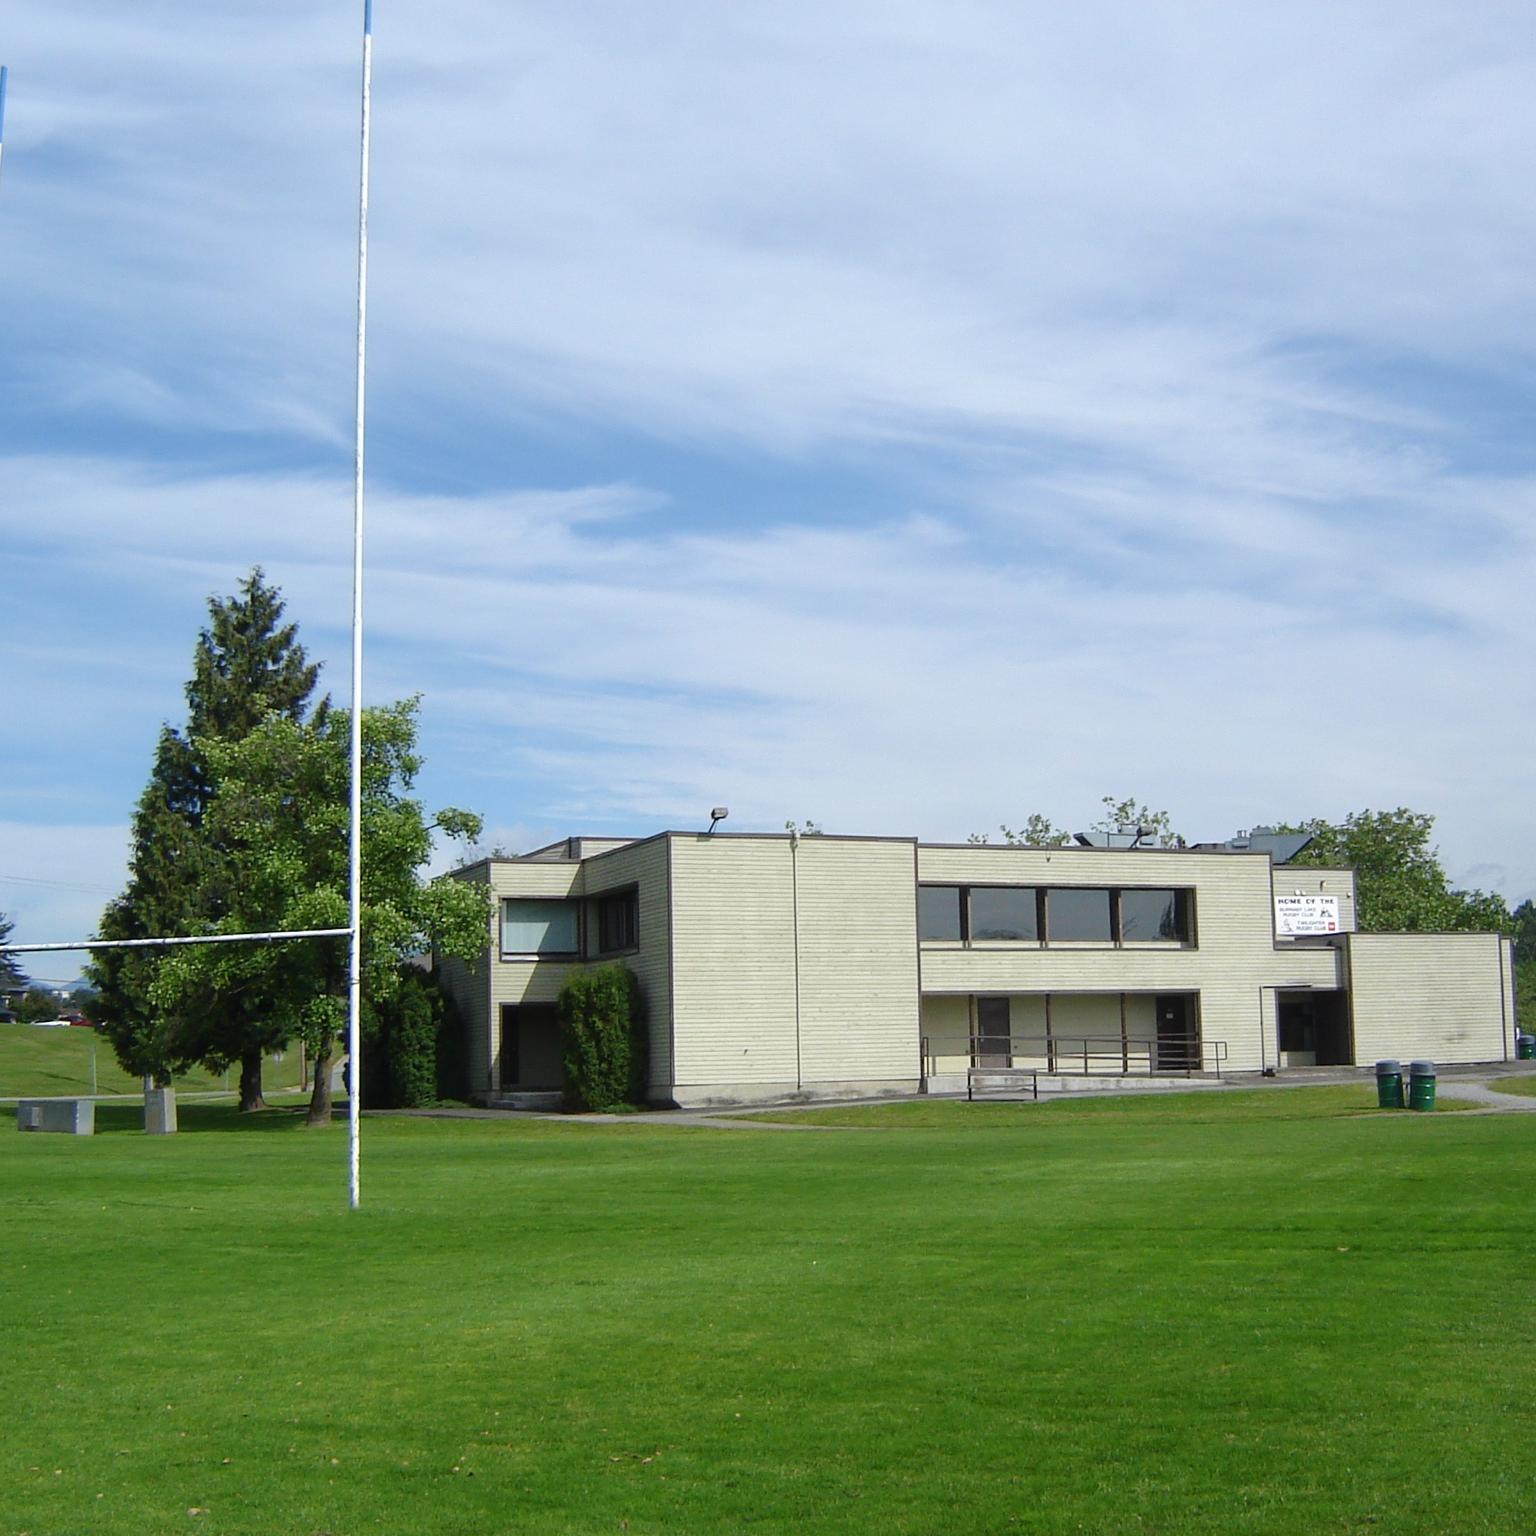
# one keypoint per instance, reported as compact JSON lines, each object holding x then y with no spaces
{"x":277,"y":936}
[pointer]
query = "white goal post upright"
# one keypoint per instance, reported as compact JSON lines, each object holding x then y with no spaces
{"x":354,"y":928}
{"x":355,"y":817}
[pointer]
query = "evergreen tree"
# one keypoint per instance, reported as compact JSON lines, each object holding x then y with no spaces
{"x":12,"y":977}
{"x":247,"y":665}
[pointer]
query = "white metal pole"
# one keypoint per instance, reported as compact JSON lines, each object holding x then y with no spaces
{"x":355,"y":818}
{"x":4,"y":76}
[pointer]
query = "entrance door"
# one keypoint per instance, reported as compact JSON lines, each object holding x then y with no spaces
{"x":530,"y":1046}
{"x":994,"y":1048}
{"x":1177,"y":1048}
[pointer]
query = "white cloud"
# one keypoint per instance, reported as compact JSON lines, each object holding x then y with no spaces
{"x":1175,"y":354}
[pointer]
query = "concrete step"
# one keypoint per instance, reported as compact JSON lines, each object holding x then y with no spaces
{"x":551,"y":1099}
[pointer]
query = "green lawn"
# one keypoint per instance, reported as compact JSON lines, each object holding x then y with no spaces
{"x":38,"y":1062}
{"x":1155,"y":1318}
{"x":1524,"y":1085}
{"x":1203,"y":1107}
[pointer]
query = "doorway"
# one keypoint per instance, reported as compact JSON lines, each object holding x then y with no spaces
{"x":994,"y":1046}
{"x":530,"y":1047}
{"x":1314,"y":1029}
{"x":1178,"y":1038}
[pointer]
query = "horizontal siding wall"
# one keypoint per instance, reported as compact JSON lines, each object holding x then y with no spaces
{"x":858,"y":961}
{"x":1436,"y":996}
{"x":733,"y":961}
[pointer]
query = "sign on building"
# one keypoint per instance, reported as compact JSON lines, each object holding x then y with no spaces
{"x":1298,"y":916}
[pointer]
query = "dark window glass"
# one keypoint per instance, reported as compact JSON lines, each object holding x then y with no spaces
{"x":1003,"y":912}
{"x":938,"y":912}
{"x":618,"y":925}
{"x":1148,"y":915}
{"x":1074,"y":914}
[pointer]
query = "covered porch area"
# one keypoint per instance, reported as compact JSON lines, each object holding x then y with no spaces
{"x":1079,"y":1034}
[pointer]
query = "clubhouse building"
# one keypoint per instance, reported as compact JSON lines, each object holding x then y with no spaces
{"x":814,"y":966}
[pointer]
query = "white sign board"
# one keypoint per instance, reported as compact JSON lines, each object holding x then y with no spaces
{"x":1297,"y":916}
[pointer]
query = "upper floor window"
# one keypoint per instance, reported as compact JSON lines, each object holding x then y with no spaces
{"x":538,"y":926}
{"x":1058,"y":914}
{"x":1004,"y":912}
{"x":618,"y":922}
{"x":939,"y":910}
{"x":1147,"y":915}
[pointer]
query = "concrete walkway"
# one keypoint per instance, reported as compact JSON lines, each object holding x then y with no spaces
{"x":1466,"y":1083}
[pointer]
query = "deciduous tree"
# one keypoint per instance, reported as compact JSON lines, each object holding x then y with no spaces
{"x":1130,"y":815}
{"x":1400,"y":884}
{"x":279,"y":812}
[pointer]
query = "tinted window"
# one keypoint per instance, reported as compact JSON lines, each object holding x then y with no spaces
{"x":938,"y":912}
{"x":1077,"y":915}
{"x":538,"y":927}
{"x":1003,"y":912}
{"x":1150,"y":915}
{"x":618,"y":923}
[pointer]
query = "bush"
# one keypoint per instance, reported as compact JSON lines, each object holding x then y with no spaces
{"x":411,"y":1046}
{"x":602,"y":1038}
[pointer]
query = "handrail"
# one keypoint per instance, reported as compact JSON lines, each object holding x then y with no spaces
{"x":1087,"y":1054}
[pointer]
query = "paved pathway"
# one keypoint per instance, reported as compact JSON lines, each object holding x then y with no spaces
{"x":1454,"y":1083}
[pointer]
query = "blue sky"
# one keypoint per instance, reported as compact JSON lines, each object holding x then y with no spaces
{"x":908,"y":415}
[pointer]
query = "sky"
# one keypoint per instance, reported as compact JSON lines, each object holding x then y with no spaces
{"x":902,"y":414}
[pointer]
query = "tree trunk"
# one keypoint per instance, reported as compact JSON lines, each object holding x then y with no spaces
{"x":320,"y":1094}
{"x":250,"y":1082}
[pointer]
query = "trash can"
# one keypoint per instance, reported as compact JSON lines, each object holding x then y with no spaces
{"x":1421,"y":1085}
{"x":1389,"y":1085}
{"x":1525,"y":1047}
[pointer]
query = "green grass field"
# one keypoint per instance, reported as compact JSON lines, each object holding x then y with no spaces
{"x":1196,"y":1314}
{"x":1524,"y":1085}
{"x":37,"y":1062}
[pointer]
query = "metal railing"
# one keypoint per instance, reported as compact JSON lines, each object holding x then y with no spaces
{"x":1084,"y":1055}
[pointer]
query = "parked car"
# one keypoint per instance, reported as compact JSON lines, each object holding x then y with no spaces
{"x":51,"y":1023}
{"x":79,"y":1020}
{"x":6,"y":1016}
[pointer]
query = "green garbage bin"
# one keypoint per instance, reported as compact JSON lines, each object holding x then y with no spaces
{"x":1525,"y":1047}
{"x":1421,"y":1085}
{"x":1389,"y":1085}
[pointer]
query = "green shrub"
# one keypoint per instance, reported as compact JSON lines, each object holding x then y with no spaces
{"x":602,"y":1038}
{"x":411,"y":1044}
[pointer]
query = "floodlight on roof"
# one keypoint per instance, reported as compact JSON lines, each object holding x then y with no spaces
{"x":716,"y":816}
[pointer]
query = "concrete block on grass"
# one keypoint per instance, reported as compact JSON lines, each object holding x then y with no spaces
{"x":160,"y":1111}
{"x":68,"y":1117}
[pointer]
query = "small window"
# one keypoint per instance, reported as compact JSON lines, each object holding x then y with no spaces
{"x":534,"y":927}
{"x":1003,"y":913}
{"x":938,"y":914}
{"x":618,"y":922}
{"x":1075,"y":915}
{"x":1149,"y":916}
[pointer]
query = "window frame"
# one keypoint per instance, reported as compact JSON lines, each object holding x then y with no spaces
{"x":605,"y":901}
{"x":539,"y":954}
{"x":1184,"y":917}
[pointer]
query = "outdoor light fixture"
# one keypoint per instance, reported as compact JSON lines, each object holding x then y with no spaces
{"x":716,"y":816}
